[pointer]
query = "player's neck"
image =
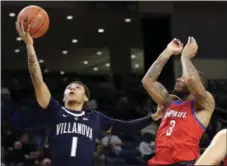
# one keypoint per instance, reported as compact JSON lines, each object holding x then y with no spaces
{"x":190,"y":97}
{"x":182,"y":95}
{"x":74,"y":106}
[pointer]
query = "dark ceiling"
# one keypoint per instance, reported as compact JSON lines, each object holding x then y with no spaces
{"x":88,"y":17}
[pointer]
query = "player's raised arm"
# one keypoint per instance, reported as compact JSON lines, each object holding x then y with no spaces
{"x":216,"y":151}
{"x":156,"y":90}
{"x":41,"y":90}
{"x":204,"y":99}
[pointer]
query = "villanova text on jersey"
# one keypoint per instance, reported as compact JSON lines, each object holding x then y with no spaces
{"x":74,"y":128}
{"x":72,"y":134}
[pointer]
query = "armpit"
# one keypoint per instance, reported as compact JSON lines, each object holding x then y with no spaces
{"x":205,"y":102}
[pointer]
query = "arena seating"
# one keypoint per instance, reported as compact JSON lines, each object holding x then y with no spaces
{"x":29,"y":117}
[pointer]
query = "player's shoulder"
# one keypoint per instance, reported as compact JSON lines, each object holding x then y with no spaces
{"x":92,"y":112}
{"x":209,"y":95}
{"x":95,"y":112}
{"x":207,"y":102}
{"x":98,"y":113}
{"x":53,"y":104}
{"x":210,"y":101}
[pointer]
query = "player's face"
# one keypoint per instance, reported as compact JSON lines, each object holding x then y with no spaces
{"x":75,"y":93}
{"x":181,"y":86}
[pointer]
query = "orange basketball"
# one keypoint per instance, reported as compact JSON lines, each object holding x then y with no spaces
{"x":37,"y":18}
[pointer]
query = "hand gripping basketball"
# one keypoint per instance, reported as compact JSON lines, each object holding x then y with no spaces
{"x":25,"y":36}
{"x":38,"y":19}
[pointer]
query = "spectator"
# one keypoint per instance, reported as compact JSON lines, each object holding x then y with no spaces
{"x":46,"y":150}
{"x":46,"y":162}
{"x":27,"y":147}
{"x":8,"y":137}
{"x":25,"y":152}
{"x":5,"y":92}
{"x":16,"y":155}
{"x":33,"y":158}
{"x":146,"y":147}
{"x":152,"y":128}
{"x":99,"y":156}
{"x":3,"y":153}
{"x":113,"y":142}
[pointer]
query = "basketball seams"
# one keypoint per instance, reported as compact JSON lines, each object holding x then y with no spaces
{"x":34,"y":16}
{"x":43,"y":23}
{"x":37,"y":17}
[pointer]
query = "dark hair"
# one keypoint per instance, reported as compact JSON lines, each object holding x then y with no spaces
{"x":203,"y":79}
{"x":86,"y":89}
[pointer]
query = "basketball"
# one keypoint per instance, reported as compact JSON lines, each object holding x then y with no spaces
{"x":37,"y":18}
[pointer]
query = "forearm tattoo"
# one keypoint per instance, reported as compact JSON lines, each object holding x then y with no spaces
{"x":34,"y":68}
{"x":156,"y":68}
{"x":160,"y":89}
{"x":188,"y":69}
{"x":195,"y":85}
{"x":157,"y":90}
{"x":203,"y":100}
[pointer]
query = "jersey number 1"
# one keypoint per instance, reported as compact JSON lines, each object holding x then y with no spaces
{"x":74,"y":147}
{"x":172,"y":125}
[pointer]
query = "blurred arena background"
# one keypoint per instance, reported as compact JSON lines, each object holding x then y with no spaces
{"x":108,"y":45}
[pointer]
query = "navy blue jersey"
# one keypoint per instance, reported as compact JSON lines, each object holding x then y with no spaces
{"x":73,"y":133}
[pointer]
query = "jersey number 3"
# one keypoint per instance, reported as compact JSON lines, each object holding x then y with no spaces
{"x":74,"y":147}
{"x":172,"y":125}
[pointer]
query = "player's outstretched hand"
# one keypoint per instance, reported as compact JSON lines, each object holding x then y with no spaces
{"x":190,"y":48}
{"x":159,"y":113}
{"x":24,"y":34}
{"x":175,"y":47}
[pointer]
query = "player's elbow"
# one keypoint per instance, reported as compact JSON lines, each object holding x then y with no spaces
{"x":146,"y":82}
{"x":42,"y":95}
{"x":43,"y":103}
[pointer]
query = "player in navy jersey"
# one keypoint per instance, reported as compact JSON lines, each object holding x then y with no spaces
{"x":72,"y":129}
